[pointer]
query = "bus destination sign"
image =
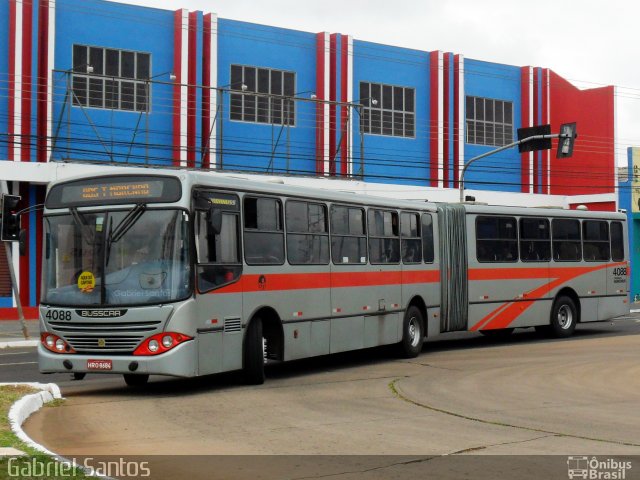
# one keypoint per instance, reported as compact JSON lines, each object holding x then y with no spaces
{"x":114,"y":190}
{"x":146,"y":190}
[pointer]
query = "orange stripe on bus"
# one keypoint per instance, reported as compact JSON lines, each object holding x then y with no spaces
{"x":504,"y":315}
{"x":304,"y":281}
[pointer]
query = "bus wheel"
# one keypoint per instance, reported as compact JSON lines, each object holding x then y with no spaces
{"x":499,"y":334}
{"x":253,"y":356}
{"x":412,"y":333}
{"x":135,"y":380}
{"x":79,"y":375}
{"x":564,"y":317}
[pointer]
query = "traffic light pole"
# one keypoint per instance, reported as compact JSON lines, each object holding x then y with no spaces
{"x":506,"y":147}
{"x":14,"y":287}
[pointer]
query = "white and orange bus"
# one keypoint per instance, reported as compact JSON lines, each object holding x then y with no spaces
{"x":188,"y":273}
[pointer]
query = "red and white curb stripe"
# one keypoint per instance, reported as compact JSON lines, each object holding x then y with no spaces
{"x":28,"y":405}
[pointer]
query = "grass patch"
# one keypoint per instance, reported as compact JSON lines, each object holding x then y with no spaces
{"x":35,"y":464}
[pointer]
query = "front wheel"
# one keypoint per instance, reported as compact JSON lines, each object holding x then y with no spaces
{"x":564,"y":317}
{"x":412,"y":333}
{"x":135,"y":380}
{"x":253,"y":355}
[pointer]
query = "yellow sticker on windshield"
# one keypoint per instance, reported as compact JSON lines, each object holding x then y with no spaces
{"x":86,"y":282}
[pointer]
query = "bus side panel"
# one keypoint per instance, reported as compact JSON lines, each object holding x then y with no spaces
{"x":381,"y":329}
{"x":218,"y":320}
{"x":210,"y":357}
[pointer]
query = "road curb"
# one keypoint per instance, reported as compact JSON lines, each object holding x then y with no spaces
{"x":28,"y":405}
{"x":18,"y":343}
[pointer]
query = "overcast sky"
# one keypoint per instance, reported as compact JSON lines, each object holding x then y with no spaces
{"x":583,"y":41}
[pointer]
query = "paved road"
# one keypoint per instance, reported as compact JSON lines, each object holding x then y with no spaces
{"x":525,"y":396}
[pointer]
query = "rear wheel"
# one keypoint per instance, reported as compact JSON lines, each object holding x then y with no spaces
{"x":253,"y":355}
{"x":499,"y":334}
{"x":135,"y":380}
{"x":564,"y":317}
{"x":79,"y":375}
{"x":412,"y":333}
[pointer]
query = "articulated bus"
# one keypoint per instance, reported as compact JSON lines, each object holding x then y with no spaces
{"x":186,"y":273}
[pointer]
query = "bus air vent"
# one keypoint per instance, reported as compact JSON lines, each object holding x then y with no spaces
{"x":232,"y":325}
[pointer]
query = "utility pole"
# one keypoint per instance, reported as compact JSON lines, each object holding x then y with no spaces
{"x":7,"y":203}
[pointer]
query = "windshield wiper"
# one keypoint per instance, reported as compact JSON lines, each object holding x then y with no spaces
{"x":115,"y":234}
{"x":82,"y":223}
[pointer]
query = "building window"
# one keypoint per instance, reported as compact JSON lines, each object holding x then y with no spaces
{"x":387,"y":109}
{"x":264,"y":106}
{"x":117,"y":81}
{"x":489,"y":121}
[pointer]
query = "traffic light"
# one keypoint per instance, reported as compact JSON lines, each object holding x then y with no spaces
{"x":567,"y":138}
{"x":10,"y":221}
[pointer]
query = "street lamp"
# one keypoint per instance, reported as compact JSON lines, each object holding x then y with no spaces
{"x":538,"y":138}
{"x":359,"y":108}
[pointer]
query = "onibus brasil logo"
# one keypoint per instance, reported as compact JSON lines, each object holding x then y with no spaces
{"x":595,"y":469}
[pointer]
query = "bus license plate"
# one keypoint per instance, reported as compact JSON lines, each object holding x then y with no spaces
{"x":99,"y":364}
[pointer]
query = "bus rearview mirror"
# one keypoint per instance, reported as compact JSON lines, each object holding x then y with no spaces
{"x":215,"y":219}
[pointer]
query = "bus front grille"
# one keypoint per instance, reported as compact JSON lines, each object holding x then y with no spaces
{"x":107,"y":327}
{"x":105,"y":343}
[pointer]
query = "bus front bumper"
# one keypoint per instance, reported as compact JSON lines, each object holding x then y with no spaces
{"x":178,"y":362}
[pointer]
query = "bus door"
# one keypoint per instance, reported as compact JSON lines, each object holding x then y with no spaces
{"x":617,"y":275}
{"x":593,"y":286}
{"x":454,"y":297}
{"x":218,"y":285}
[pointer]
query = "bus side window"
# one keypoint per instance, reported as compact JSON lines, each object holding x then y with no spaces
{"x":535,"y":240}
{"x":496,"y":239}
{"x":595,"y":235}
{"x":218,"y":253}
{"x":567,"y":244}
{"x":307,"y":233}
{"x":263,"y":231}
{"x":617,"y":242}
{"x":427,"y":238}
{"x":411,"y":244}
{"x":348,"y":235}
{"x":384,"y":244}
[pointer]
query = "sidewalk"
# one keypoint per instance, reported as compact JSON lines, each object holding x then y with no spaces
{"x":11,"y":334}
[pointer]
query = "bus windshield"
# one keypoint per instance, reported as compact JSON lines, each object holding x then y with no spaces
{"x":119,"y":258}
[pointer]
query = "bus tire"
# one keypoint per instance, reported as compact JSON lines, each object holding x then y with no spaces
{"x":253,"y":355}
{"x":134,"y":381}
{"x":412,"y":333}
{"x":79,"y":375}
{"x":564,"y":317}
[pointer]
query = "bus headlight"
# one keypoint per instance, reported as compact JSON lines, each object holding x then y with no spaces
{"x":160,"y":343}
{"x":55,"y":344}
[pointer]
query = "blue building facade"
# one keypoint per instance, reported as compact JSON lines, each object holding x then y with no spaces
{"x":97,"y":81}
